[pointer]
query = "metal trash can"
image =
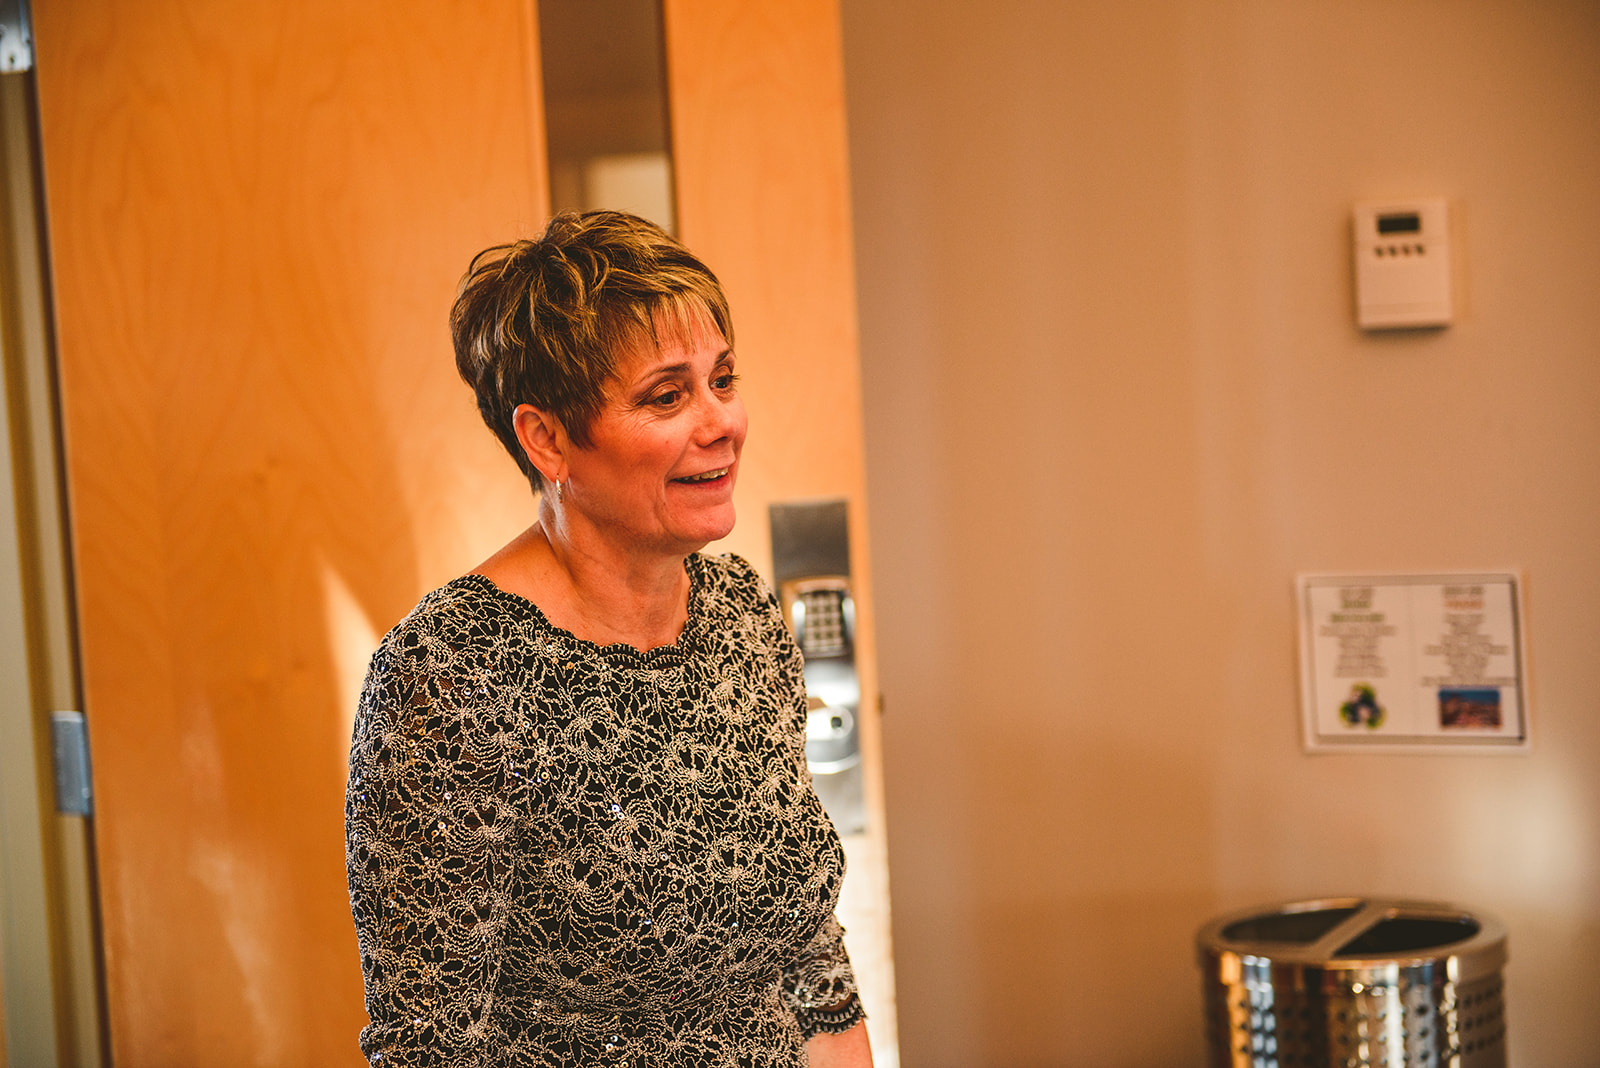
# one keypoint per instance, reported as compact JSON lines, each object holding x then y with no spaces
{"x":1353,"y":982}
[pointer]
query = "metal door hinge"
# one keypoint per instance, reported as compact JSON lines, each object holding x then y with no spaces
{"x":16,"y":36}
{"x":69,"y":738}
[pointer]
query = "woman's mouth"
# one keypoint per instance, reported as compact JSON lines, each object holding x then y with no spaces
{"x":709,"y":476}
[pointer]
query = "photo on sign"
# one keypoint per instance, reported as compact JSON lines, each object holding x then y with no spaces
{"x":1462,"y":708}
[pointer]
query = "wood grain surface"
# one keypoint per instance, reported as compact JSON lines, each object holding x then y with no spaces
{"x":258,"y":213}
{"x":756,"y":92}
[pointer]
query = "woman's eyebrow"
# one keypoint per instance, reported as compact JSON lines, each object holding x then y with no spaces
{"x":680,"y":367}
{"x":646,"y":379}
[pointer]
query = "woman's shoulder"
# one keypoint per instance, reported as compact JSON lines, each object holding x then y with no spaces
{"x":442,"y":671}
{"x":729,"y":580}
{"x":465,"y":613}
{"x":732,"y":598}
{"x":460,"y":603}
{"x":457,"y":650}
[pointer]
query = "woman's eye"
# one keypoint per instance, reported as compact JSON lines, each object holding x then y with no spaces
{"x":724,"y":381}
{"x":665,"y":400}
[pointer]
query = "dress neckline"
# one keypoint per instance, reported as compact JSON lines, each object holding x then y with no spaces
{"x":687,"y":638}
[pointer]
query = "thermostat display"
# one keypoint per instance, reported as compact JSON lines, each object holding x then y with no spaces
{"x":1402,"y":257}
{"x":1407,"y":222}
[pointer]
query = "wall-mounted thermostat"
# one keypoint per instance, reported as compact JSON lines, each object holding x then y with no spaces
{"x":1402,"y":255}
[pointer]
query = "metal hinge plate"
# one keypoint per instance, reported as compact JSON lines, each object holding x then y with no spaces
{"x":69,"y":739}
{"x":16,"y":36}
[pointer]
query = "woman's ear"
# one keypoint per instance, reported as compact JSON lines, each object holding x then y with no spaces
{"x":543,"y":441}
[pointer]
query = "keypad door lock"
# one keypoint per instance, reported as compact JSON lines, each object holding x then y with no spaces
{"x":811,"y":558}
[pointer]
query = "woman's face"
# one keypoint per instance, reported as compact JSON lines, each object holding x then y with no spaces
{"x":658,"y":475}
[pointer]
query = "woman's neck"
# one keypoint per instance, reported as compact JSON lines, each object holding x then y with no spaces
{"x":591,"y":589}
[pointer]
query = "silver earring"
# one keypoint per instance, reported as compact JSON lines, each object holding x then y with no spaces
{"x":558,"y":491}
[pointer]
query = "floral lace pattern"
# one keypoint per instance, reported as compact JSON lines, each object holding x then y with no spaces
{"x":567,"y":854}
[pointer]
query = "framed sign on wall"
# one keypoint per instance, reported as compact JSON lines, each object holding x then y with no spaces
{"x":1426,"y":661}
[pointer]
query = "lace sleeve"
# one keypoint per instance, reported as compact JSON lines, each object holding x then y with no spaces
{"x":427,"y":830}
{"x":820,"y":986}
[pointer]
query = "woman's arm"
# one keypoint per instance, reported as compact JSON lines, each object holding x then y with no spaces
{"x":426,"y":832}
{"x":848,"y":1049}
{"x":820,"y":986}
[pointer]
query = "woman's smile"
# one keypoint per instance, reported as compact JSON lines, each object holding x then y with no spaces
{"x":709,"y":476}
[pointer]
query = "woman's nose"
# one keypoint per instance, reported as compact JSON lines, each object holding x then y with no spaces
{"x":719,"y":417}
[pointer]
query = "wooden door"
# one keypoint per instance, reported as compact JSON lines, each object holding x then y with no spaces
{"x":756,"y":92}
{"x":258,"y":212}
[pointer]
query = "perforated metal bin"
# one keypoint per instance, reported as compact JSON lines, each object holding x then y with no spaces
{"x":1353,"y":982}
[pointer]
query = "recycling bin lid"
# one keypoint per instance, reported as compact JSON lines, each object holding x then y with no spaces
{"x":1359,"y":934}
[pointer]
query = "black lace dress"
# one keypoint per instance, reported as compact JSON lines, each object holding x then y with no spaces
{"x":567,"y":854}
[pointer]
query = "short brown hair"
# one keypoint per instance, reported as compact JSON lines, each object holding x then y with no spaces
{"x":542,"y":322}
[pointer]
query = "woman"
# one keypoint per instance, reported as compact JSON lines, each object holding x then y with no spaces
{"x":579,"y":826}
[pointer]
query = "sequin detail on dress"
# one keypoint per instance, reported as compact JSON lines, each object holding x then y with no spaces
{"x":567,"y":854}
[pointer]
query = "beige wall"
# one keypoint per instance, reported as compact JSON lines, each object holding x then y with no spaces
{"x":1115,"y":400}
